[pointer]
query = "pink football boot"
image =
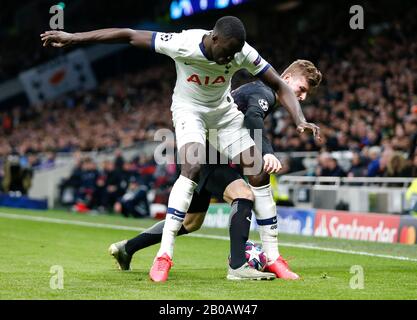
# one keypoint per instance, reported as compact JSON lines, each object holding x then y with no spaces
{"x":281,"y":269}
{"x":160,"y":268}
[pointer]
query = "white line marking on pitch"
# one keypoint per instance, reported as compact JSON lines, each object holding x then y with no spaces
{"x":205,"y":236}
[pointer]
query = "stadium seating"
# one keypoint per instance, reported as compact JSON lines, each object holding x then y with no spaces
{"x":366,"y":104}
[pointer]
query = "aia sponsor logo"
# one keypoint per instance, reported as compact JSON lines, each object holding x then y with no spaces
{"x":365,"y":227}
{"x":200,"y":80}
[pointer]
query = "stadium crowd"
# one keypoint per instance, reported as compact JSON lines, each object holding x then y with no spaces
{"x":119,"y":185}
{"x":368,"y":101}
{"x":367,"y":104}
{"x":133,"y":106}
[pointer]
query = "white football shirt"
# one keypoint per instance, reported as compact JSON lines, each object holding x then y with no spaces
{"x":199,"y":80}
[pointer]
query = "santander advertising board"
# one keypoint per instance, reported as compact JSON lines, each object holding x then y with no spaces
{"x":357,"y":226}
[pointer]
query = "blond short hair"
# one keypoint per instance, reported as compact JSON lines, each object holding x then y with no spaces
{"x":306,"y":69}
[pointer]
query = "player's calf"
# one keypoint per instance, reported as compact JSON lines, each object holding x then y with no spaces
{"x":240,"y":219}
{"x":192,"y":222}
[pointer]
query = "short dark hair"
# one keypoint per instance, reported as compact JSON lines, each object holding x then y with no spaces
{"x":231,"y":27}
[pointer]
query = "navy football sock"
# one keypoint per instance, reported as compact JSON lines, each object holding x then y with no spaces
{"x":149,"y":237}
{"x":240,"y":216}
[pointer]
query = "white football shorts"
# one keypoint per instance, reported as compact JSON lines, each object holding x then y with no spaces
{"x":223,"y":127}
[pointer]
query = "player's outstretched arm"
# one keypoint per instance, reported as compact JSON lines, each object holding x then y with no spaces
{"x":288,"y":99}
{"x":59,"y":39}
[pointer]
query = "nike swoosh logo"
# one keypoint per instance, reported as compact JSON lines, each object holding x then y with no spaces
{"x":187,"y":63}
{"x":247,"y":218}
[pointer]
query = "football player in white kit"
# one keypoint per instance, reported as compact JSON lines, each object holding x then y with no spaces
{"x":205,"y":62}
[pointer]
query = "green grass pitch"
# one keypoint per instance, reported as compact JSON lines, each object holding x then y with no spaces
{"x":31,"y":243}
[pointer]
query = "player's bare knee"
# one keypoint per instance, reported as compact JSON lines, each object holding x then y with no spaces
{"x":246,"y":193}
{"x":238,"y":190}
{"x":192,"y":155}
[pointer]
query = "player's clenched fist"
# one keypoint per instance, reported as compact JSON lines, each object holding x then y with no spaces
{"x":57,"y":39}
{"x":271,"y":164}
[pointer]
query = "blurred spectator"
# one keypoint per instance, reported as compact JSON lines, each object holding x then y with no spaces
{"x":107,"y":188}
{"x":328,"y":166}
{"x":88,"y":179}
{"x":411,"y":131}
{"x":398,"y":166}
{"x":16,"y":177}
{"x":134,"y":202}
{"x":414,"y":166}
{"x":358,"y":167}
{"x":331,"y":168}
{"x":119,"y":160}
{"x":375,"y":167}
{"x":68,"y":187}
{"x":322,"y":161}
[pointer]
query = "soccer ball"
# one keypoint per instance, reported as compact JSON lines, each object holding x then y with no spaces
{"x":255,"y":256}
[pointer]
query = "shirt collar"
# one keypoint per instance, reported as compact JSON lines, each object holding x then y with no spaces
{"x":203,"y":47}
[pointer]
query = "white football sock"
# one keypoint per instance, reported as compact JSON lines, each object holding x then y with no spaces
{"x":178,"y":204}
{"x":266,"y":217}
